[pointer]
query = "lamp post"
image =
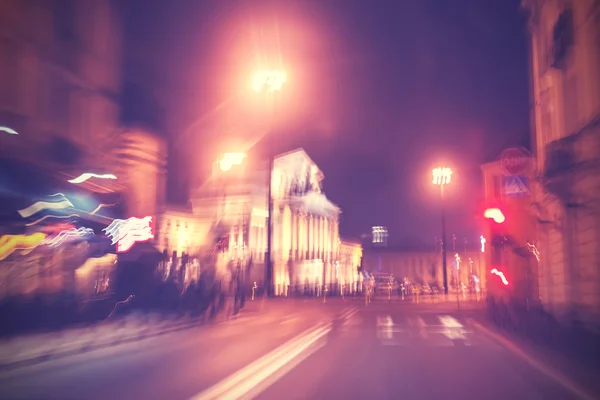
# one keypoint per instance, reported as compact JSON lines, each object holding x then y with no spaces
{"x":269,"y":82}
{"x":441,"y":177}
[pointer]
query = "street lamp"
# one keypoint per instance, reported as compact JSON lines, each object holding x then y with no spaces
{"x":228,"y":160}
{"x":441,"y":177}
{"x":269,"y":82}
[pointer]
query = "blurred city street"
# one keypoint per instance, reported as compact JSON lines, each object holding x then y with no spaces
{"x":300,"y":349}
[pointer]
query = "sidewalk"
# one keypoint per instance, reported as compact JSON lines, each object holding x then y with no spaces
{"x":38,"y":347}
{"x":580,"y":375}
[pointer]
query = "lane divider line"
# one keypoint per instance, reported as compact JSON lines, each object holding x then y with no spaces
{"x":543,"y":368}
{"x":248,"y":378}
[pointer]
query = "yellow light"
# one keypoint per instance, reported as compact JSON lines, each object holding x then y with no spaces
{"x":441,"y":176}
{"x":230,"y":159}
{"x":269,"y":80}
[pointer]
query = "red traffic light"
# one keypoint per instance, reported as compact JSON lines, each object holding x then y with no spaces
{"x":501,"y":275}
{"x":495,"y":214}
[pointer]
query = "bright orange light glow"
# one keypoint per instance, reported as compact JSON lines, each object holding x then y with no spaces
{"x":10,"y":243}
{"x":441,"y":176}
{"x":500,"y":274}
{"x":230,"y":159}
{"x":269,"y":80}
{"x":495,"y":214}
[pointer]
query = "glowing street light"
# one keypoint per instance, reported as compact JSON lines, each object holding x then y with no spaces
{"x":442,"y":176}
{"x":230,"y":159}
{"x":269,"y":80}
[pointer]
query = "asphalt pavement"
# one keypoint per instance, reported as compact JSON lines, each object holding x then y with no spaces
{"x":388,"y":352}
{"x":313,"y":350}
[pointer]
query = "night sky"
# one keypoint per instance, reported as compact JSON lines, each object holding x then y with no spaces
{"x":379,"y":92}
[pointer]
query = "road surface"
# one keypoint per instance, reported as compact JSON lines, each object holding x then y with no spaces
{"x":380,"y":351}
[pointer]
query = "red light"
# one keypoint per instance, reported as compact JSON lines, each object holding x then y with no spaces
{"x":495,"y":214}
{"x":501,"y":275}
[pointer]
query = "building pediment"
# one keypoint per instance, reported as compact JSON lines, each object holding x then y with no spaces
{"x":316,"y":203}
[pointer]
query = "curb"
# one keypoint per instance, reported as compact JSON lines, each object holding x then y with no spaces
{"x":88,"y":347}
{"x":540,"y":366}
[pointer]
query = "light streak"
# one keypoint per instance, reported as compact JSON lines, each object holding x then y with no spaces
{"x":125,"y":233}
{"x":11,"y":243}
{"x":8,"y":130}
{"x":69,"y":234}
{"x":85,"y":176}
{"x":500,"y":274}
{"x":46,"y":205}
{"x":101,"y":206}
{"x":57,"y":228}
{"x":483,"y":241}
{"x":52,"y":216}
{"x":534,"y":250}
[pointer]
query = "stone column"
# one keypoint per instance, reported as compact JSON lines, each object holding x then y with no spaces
{"x":311,"y":237}
{"x":294,"y":236}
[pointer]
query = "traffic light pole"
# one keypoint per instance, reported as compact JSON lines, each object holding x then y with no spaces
{"x":444,"y":266}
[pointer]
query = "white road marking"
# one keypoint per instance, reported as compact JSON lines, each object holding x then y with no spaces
{"x":257,"y":376}
{"x":454,"y":330}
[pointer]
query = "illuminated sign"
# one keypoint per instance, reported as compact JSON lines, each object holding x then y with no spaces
{"x":68,"y":235}
{"x":11,"y":243}
{"x":84,"y":177}
{"x":126,"y":232}
{"x":500,"y":274}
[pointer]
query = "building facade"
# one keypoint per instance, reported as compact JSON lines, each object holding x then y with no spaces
{"x":565,"y":87}
{"x":305,"y":235}
{"x":347,"y":273}
{"x":60,"y":84}
{"x":424,"y":266}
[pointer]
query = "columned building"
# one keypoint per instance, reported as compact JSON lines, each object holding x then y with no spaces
{"x":565,"y":89}
{"x":423,"y":266}
{"x":305,"y":235}
{"x":347,"y":274}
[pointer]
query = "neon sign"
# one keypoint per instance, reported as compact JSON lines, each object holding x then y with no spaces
{"x":127,"y":232}
{"x":68,"y":235}
{"x":11,"y":243}
{"x":500,"y":274}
